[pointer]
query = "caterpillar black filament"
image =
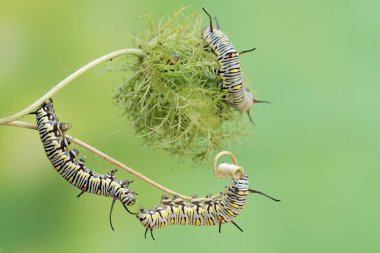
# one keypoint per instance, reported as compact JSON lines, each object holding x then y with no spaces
{"x":65,"y":161}
{"x":238,"y":95}
{"x":207,"y":213}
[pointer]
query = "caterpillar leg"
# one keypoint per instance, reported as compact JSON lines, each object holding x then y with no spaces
{"x":207,"y":47}
{"x":74,"y":152}
{"x":220,"y":228}
{"x":65,"y":144}
{"x":236,"y":225}
{"x":82,"y":161}
{"x":217,"y":71}
{"x":125,"y":183}
{"x":80,"y":194}
{"x":84,"y":189}
{"x":151,"y":233}
{"x":64,"y":126}
{"x":111,"y":174}
{"x":110,"y":216}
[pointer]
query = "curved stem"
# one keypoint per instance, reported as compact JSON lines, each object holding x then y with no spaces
{"x":112,"y":161}
{"x":70,"y":78}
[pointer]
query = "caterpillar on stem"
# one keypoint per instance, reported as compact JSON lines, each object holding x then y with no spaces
{"x":209,"y":211}
{"x":73,"y":170}
{"x":238,"y":94}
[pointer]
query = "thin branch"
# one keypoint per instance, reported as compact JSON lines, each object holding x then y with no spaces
{"x":70,"y":78}
{"x":11,"y":121}
{"x":112,"y":161}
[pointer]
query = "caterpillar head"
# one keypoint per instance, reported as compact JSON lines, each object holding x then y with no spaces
{"x":128,"y":197}
{"x":142,"y":213}
{"x":239,"y":187}
{"x":243,"y":180}
{"x":46,"y":109}
{"x":48,"y":106}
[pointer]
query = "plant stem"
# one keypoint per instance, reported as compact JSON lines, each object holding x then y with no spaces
{"x":70,"y":78}
{"x":112,"y":161}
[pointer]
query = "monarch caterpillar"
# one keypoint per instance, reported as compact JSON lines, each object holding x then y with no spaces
{"x":207,"y":213}
{"x":238,"y":95}
{"x":56,"y":145}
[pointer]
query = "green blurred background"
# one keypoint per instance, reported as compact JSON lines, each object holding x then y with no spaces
{"x":316,"y":147}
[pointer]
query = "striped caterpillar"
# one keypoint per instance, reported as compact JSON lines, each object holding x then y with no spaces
{"x":207,"y":213}
{"x":238,"y":95}
{"x":56,"y":145}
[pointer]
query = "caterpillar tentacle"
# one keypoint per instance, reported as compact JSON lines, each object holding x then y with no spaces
{"x":246,"y":51}
{"x":217,"y":23}
{"x":110,"y":216}
{"x":126,"y":208}
{"x":266,"y":195}
{"x":236,"y":225}
{"x":64,"y":160}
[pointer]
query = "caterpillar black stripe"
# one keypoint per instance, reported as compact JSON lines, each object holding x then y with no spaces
{"x":64,"y":160}
{"x":238,"y":95}
{"x":207,"y":213}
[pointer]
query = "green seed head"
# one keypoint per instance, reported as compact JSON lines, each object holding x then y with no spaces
{"x":172,"y":93}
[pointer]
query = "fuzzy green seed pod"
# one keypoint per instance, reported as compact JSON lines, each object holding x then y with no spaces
{"x":172,"y":94}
